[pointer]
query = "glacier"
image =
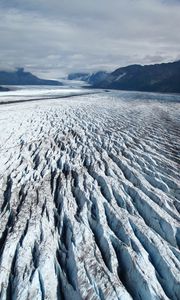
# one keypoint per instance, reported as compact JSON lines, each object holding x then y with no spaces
{"x":89,"y":195}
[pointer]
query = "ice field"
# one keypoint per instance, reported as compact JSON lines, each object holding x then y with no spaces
{"x":89,"y":195}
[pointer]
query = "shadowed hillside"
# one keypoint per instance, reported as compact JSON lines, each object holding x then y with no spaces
{"x":20,"y":77}
{"x":150,"y":78}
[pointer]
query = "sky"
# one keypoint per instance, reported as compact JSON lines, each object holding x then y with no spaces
{"x":52,"y":38}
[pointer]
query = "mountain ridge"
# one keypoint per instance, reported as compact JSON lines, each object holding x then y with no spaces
{"x":21,"y":77}
{"x":163,"y":77}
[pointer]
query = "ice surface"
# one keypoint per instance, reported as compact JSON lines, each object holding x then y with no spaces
{"x":90,"y":196}
{"x":29,"y":93}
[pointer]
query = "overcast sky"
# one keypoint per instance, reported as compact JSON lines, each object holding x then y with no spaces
{"x":54,"y":37}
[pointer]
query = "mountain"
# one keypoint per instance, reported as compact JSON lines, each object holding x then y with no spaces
{"x":78,"y":76}
{"x":163,"y":77}
{"x":3,"y":89}
{"x":97,"y":77}
{"x":91,"y":78}
{"x":20,"y":77}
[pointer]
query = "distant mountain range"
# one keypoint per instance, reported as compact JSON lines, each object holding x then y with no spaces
{"x":20,"y":77}
{"x":78,"y":76}
{"x":91,"y":78}
{"x":163,"y":77}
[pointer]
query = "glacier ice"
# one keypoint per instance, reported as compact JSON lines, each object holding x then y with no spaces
{"x":90,"y":198}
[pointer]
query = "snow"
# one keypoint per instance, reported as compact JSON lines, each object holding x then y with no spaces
{"x":22,"y":93}
{"x":89,"y":195}
{"x":120,"y":76}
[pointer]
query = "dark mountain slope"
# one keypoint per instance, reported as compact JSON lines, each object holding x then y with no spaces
{"x":20,"y":77}
{"x":151,"y":78}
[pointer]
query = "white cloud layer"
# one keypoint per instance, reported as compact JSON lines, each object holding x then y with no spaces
{"x":52,"y":38}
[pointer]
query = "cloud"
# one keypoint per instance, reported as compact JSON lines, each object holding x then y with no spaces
{"x":52,"y":38}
